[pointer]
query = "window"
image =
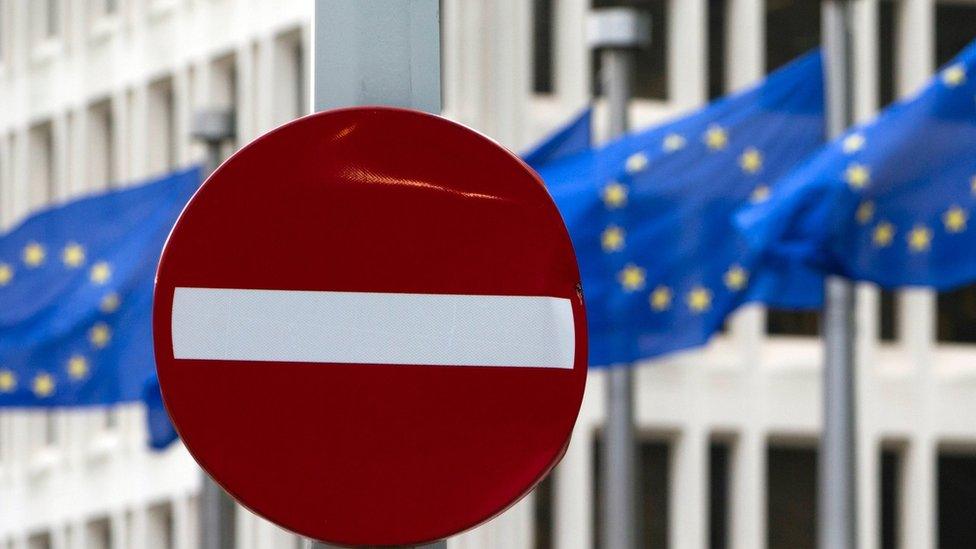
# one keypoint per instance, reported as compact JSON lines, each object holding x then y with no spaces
{"x":792,"y":29}
{"x":291,"y":91}
{"x":3,"y":31}
{"x":161,"y":139}
{"x":651,"y":71}
{"x":957,"y":492}
{"x":98,"y":534}
{"x":718,"y":495}
{"x":887,"y":54}
{"x":890,"y":494}
{"x":717,"y":27}
{"x":39,"y":541}
{"x":41,"y":168}
{"x":791,"y":502}
{"x":653,"y":481}
{"x":224,"y":90}
{"x":956,"y":320}
{"x":542,"y":46}
{"x":47,"y":18}
{"x":101,"y":145}
{"x":888,"y":316}
{"x":160,"y":535}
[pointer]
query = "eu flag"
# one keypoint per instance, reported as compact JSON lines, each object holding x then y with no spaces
{"x":650,"y":216}
{"x":572,"y":138}
{"x":889,"y":201}
{"x":76,"y":285}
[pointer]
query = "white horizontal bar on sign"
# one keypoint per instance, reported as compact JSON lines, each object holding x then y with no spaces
{"x":373,"y":328}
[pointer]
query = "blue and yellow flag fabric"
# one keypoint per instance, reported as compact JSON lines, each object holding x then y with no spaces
{"x":890,"y":201}
{"x":76,"y":285}
{"x":572,"y":138}
{"x":650,"y":216}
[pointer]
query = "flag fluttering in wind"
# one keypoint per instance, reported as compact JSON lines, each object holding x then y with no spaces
{"x":572,"y":138}
{"x":650,"y":215}
{"x":76,"y":286}
{"x":890,"y":201}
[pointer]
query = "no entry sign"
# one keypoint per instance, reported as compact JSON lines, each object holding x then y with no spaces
{"x":369,"y":327}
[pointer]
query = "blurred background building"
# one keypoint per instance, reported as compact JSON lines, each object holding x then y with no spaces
{"x":98,"y":93}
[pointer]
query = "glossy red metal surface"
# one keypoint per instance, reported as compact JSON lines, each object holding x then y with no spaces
{"x":372,"y":200}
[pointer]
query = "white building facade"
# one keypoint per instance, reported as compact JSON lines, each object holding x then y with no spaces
{"x":100,"y":93}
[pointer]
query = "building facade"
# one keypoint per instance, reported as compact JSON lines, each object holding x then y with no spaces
{"x":99,"y":93}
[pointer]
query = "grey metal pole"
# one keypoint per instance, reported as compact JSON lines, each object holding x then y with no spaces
{"x":376,"y":52}
{"x":214,"y":128}
{"x":617,"y":32}
{"x":837,"y":528}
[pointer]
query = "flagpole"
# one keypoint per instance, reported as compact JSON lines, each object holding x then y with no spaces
{"x":214,"y":128}
{"x":837,"y":513}
{"x":617,"y":32}
{"x":352,"y":67}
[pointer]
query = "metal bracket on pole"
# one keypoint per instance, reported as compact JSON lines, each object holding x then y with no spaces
{"x":617,"y":32}
{"x":837,"y":528}
{"x":377,"y":52}
{"x":214,"y":128}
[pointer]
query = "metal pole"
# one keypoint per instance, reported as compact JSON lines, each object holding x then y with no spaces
{"x":617,"y":32}
{"x":376,"y":52}
{"x":214,"y":128}
{"x":837,"y":502}
{"x":619,"y":448}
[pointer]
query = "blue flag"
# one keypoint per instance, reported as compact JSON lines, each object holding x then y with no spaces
{"x":650,"y":216}
{"x":575,"y":137}
{"x":889,"y":202}
{"x":76,"y":284}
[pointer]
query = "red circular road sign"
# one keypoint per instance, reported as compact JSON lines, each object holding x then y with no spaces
{"x":369,"y":329}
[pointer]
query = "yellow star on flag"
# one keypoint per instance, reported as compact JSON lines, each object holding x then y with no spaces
{"x":716,"y":137}
{"x":954,"y":75}
{"x":673,"y":142}
{"x":34,"y":254}
{"x":865,"y":212}
{"x":736,"y":278}
{"x":883,"y":234}
{"x":955,"y":219}
{"x":73,"y":255}
{"x":759,"y":194}
{"x":77,"y":367}
{"x":43,"y":385}
{"x":100,"y":272}
{"x":919,"y":238}
{"x":110,"y":303}
{"x":751,"y":161}
{"x":661,"y":298}
{"x":6,"y":274}
{"x":612,"y":239}
{"x":636,"y":162}
{"x":8,"y":381}
{"x":99,"y":335}
{"x":614,"y":195}
{"x":857,"y":176}
{"x":631,"y":277}
{"x":699,"y":299}
{"x":853,"y":143}
{"x":972,"y":184}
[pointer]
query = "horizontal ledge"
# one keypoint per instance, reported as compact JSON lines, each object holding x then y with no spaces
{"x":373,"y":328}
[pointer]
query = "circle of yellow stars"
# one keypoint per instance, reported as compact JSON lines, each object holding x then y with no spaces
{"x":78,"y":367}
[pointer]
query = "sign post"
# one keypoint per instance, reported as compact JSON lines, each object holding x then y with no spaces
{"x":376,"y":53}
{"x":616,"y":32}
{"x":838,"y":506}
